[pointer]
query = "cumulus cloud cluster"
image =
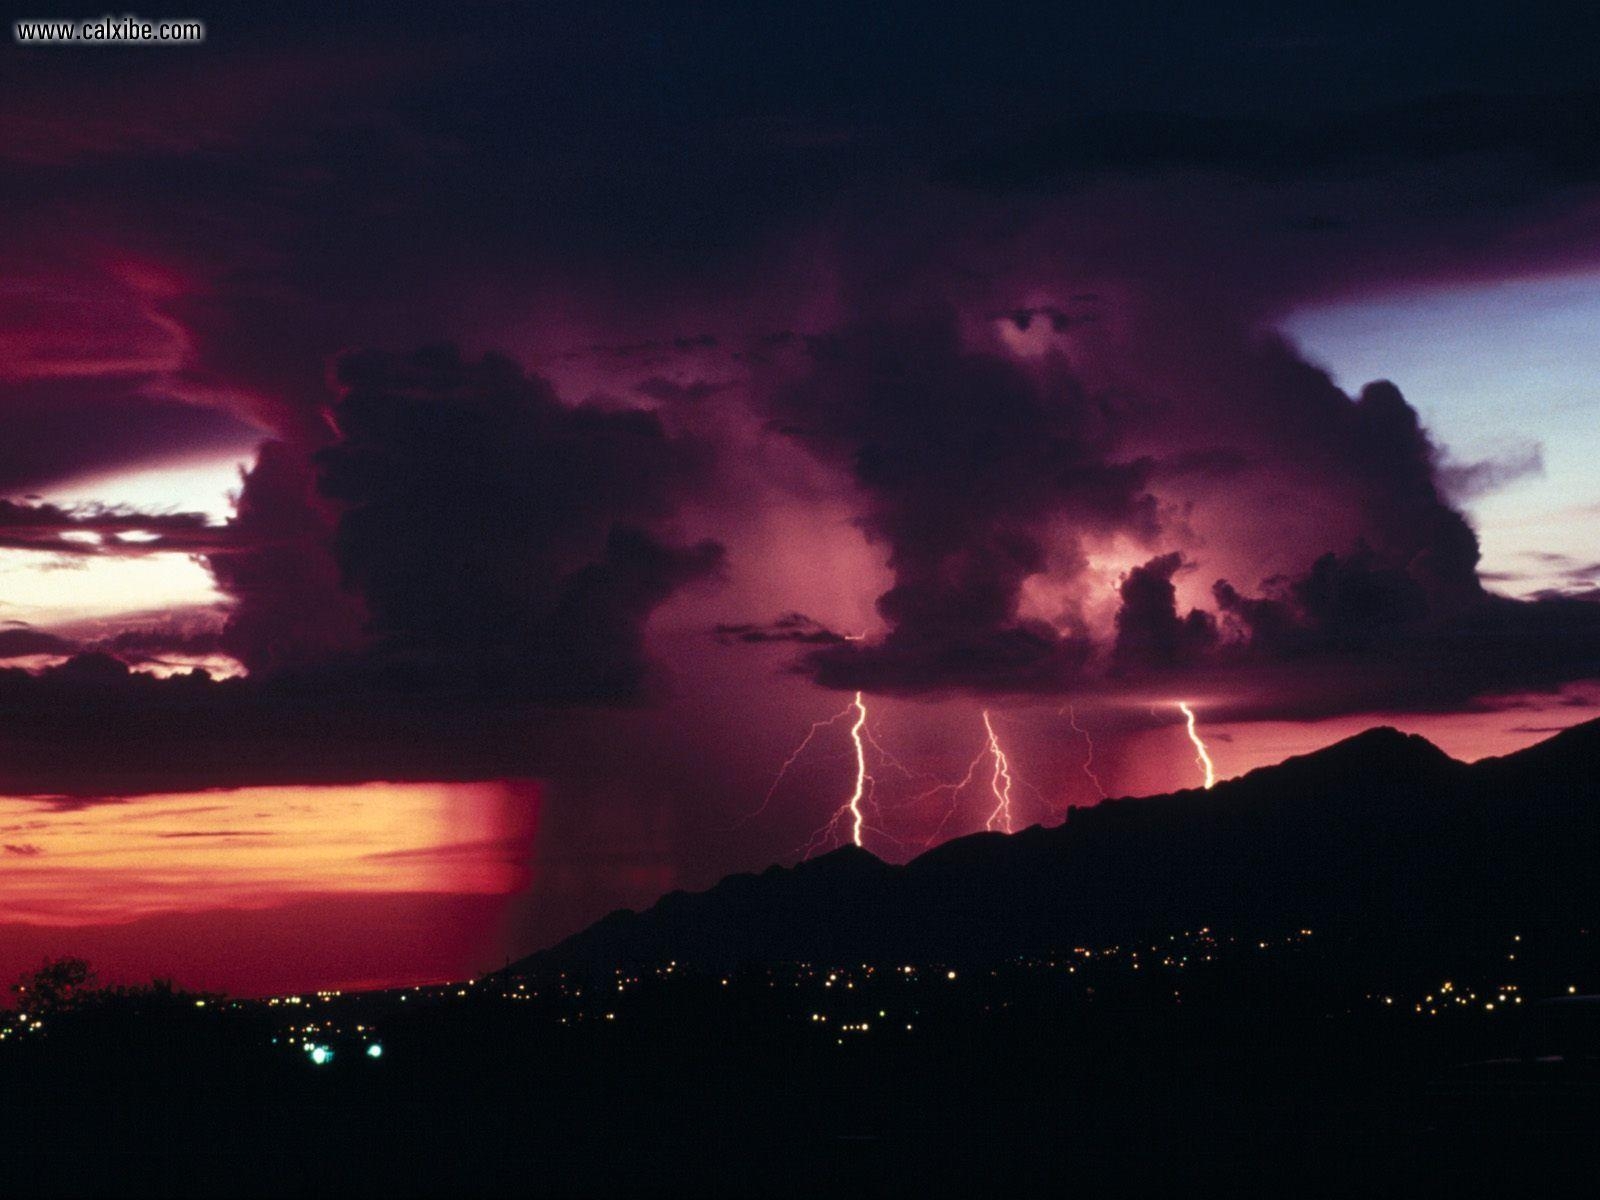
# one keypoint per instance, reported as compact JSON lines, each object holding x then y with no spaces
{"x":1326,"y":568}
{"x":1029,"y":355}
{"x":466,"y":531}
{"x":961,"y":461}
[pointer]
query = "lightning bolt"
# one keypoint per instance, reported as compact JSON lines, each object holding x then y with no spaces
{"x":816,"y":728}
{"x":999,"y":782}
{"x":955,"y":790}
{"x":854,"y":803}
{"x":888,"y":759}
{"x":849,"y":813}
{"x":1201,"y":758}
{"x":1088,"y":744}
{"x":850,"y":819}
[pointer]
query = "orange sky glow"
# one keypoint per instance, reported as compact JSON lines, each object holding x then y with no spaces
{"x":391,"y":865}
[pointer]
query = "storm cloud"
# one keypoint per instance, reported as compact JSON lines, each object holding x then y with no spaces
{"x":464,"y":531}
{"x":961,"y":459}
{"x":1031,"y":409}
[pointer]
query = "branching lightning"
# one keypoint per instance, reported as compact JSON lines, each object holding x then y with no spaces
{"x":955,"y":789}
{"x":850,"y":813}
{"x":1201,"y":757}
{"x":861,"y":812}
{"x":1088,"y":745}
{"x":888,"y":759}
{"x":816,"y":727}
{"x":1000,"y":782}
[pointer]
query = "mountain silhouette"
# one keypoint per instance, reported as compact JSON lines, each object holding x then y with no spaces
{"x":1381,"y":839}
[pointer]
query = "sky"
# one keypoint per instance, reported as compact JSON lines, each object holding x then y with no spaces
{"x":461,"y":469}
{"x":1498,"y":369}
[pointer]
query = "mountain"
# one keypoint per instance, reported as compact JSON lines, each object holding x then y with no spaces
{"x":1381,"y":838}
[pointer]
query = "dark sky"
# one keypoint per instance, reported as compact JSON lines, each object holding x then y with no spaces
{"x":619,"y":389}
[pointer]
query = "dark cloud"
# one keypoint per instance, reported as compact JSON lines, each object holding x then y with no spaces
{"x":498,"y":536}
{"x":466,"y":530}
{"x":791,"y":627}
{"x":578,"y":188}
{"x":669,"y":391}
{"x":977,"y":473}
{"x":63,"y":428}
{"x":1587,"y":593}
{"x":1466,"y":481}
{"x":289,"y":607}
{"x":1217,"y":462}
{"x":98,"y":531}
{"x":91,"y":730}
{"x":1348,"y":603}
{"x":465,"y":547}
{"x":1355,"y":632}
{"x":962,"y":460}
{"x":23,"y":641}
{"x":1396,"y":618}
{"x":1391,"y":460}
{"x":159,"y":643}
{"x":1150,"y":632}
{"x":650,"y":351}
{"x":1061,"y":320}
{"x":173,"y":639}
{"x":1554,"y":136}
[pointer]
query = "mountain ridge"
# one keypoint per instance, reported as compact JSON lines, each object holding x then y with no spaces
{"x":1380,"y":835}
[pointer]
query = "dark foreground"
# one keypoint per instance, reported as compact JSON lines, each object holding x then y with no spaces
{"x":1251,"y":1073}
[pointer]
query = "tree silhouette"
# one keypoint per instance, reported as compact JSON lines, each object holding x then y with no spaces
{"x":59,"y":985}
